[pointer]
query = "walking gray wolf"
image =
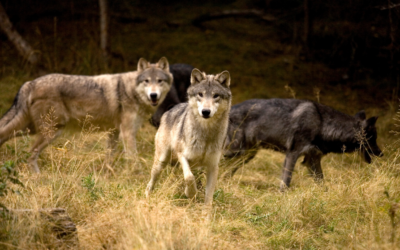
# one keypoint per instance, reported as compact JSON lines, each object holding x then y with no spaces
{"x":118,"y":101}
{"x":298,"y":127}
{"x":194,"y":132}
{"x":178,"y":92}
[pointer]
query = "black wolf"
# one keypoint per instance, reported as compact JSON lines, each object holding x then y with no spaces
{"x":298,"y":127}
{"x":177,"y":94}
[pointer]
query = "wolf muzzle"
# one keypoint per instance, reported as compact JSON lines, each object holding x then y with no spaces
{"x":154,"y":99}
{"x":206,"y":113}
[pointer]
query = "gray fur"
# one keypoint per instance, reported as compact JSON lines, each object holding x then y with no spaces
{"x":118,"y":101}
{"x":298,"y":127}
{"x":194,"y":132}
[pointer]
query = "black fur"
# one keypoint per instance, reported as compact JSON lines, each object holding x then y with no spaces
{"x":177,"y":93}
{"x":298,"y":127}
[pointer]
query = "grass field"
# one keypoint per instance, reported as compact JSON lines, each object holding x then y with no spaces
{"x":351,"y":209}
{"x":355,"y":208}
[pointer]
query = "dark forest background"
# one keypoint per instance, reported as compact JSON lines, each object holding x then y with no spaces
{"x":336,"y":52}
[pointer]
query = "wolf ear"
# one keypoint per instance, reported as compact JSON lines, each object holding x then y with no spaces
{"x":196,"y":77}
{"x":142,"y":64}
{"x":360,"y":115}
{"x":224,"y":78}
{"x":163,"y":64}
{"x":371,"y":121}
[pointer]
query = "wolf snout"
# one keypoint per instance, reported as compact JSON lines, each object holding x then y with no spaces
{"x":154,"y":98}
{"x":378,"y":153}
{"x":206,"y":113}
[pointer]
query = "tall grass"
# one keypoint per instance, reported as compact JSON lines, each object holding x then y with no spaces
{"x":356,"y":207}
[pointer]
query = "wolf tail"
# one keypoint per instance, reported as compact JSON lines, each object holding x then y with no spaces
{"x":16,"y":118}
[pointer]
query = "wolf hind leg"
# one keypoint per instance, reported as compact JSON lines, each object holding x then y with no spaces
{"x":160,"y":161}
{"x":288,"y":167}
{"x":40,"y":143}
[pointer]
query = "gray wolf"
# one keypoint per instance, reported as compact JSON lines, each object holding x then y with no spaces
{"x":298,"y":127}
{"x":178,"y":92}
{"x":114,"y":101}
{"x":194,"y":132}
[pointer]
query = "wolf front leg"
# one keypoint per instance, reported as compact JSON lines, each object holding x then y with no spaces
{"x":130,"y":124}
{"x":160,"y":160}
{"x":288,"y":167}
{"x":190,"y":180}
{"x":313,"y":163}
{"x":111,"y":147}
{"x":212,"y":175}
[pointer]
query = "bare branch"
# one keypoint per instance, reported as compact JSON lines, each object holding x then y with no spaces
{"x":103,"y":28}
{"x":252,"y":13}
{"x":388,"y":7}
{"x":22,"y":46}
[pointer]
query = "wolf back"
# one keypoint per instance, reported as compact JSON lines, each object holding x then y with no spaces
{"x":298,"y":127}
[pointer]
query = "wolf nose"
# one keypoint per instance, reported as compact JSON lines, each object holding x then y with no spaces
{"x":153,"y":96}
{"x":206,"y":113}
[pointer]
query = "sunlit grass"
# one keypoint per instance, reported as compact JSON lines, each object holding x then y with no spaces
{"x":351,"y":209}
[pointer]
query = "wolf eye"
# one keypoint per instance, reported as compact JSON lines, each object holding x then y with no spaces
{"x":146,"y":81}
{"x":160,"y":81}
{"x":216,"y":96}
{"x":201,"y":94}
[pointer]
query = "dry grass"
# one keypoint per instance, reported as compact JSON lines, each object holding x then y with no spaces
{"x":350,"y":210}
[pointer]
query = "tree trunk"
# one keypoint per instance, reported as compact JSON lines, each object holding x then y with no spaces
{"x":392,"y":32}
{"x":22,"y":46}
{"x":104,"y":29}
{"x":306,"y":24}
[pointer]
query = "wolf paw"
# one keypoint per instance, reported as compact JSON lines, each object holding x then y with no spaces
{"x":190,"y":190}
{"x":34,"y":167}
{"x":148,"y":190}
{"x":283,"y":187}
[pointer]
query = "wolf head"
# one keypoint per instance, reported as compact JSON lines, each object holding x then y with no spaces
{"x":368,"y":142}
{"x":153,"y":80}
{"x":208,"y":94}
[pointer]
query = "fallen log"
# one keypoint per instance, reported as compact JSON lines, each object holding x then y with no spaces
{"x":55,"y":221}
